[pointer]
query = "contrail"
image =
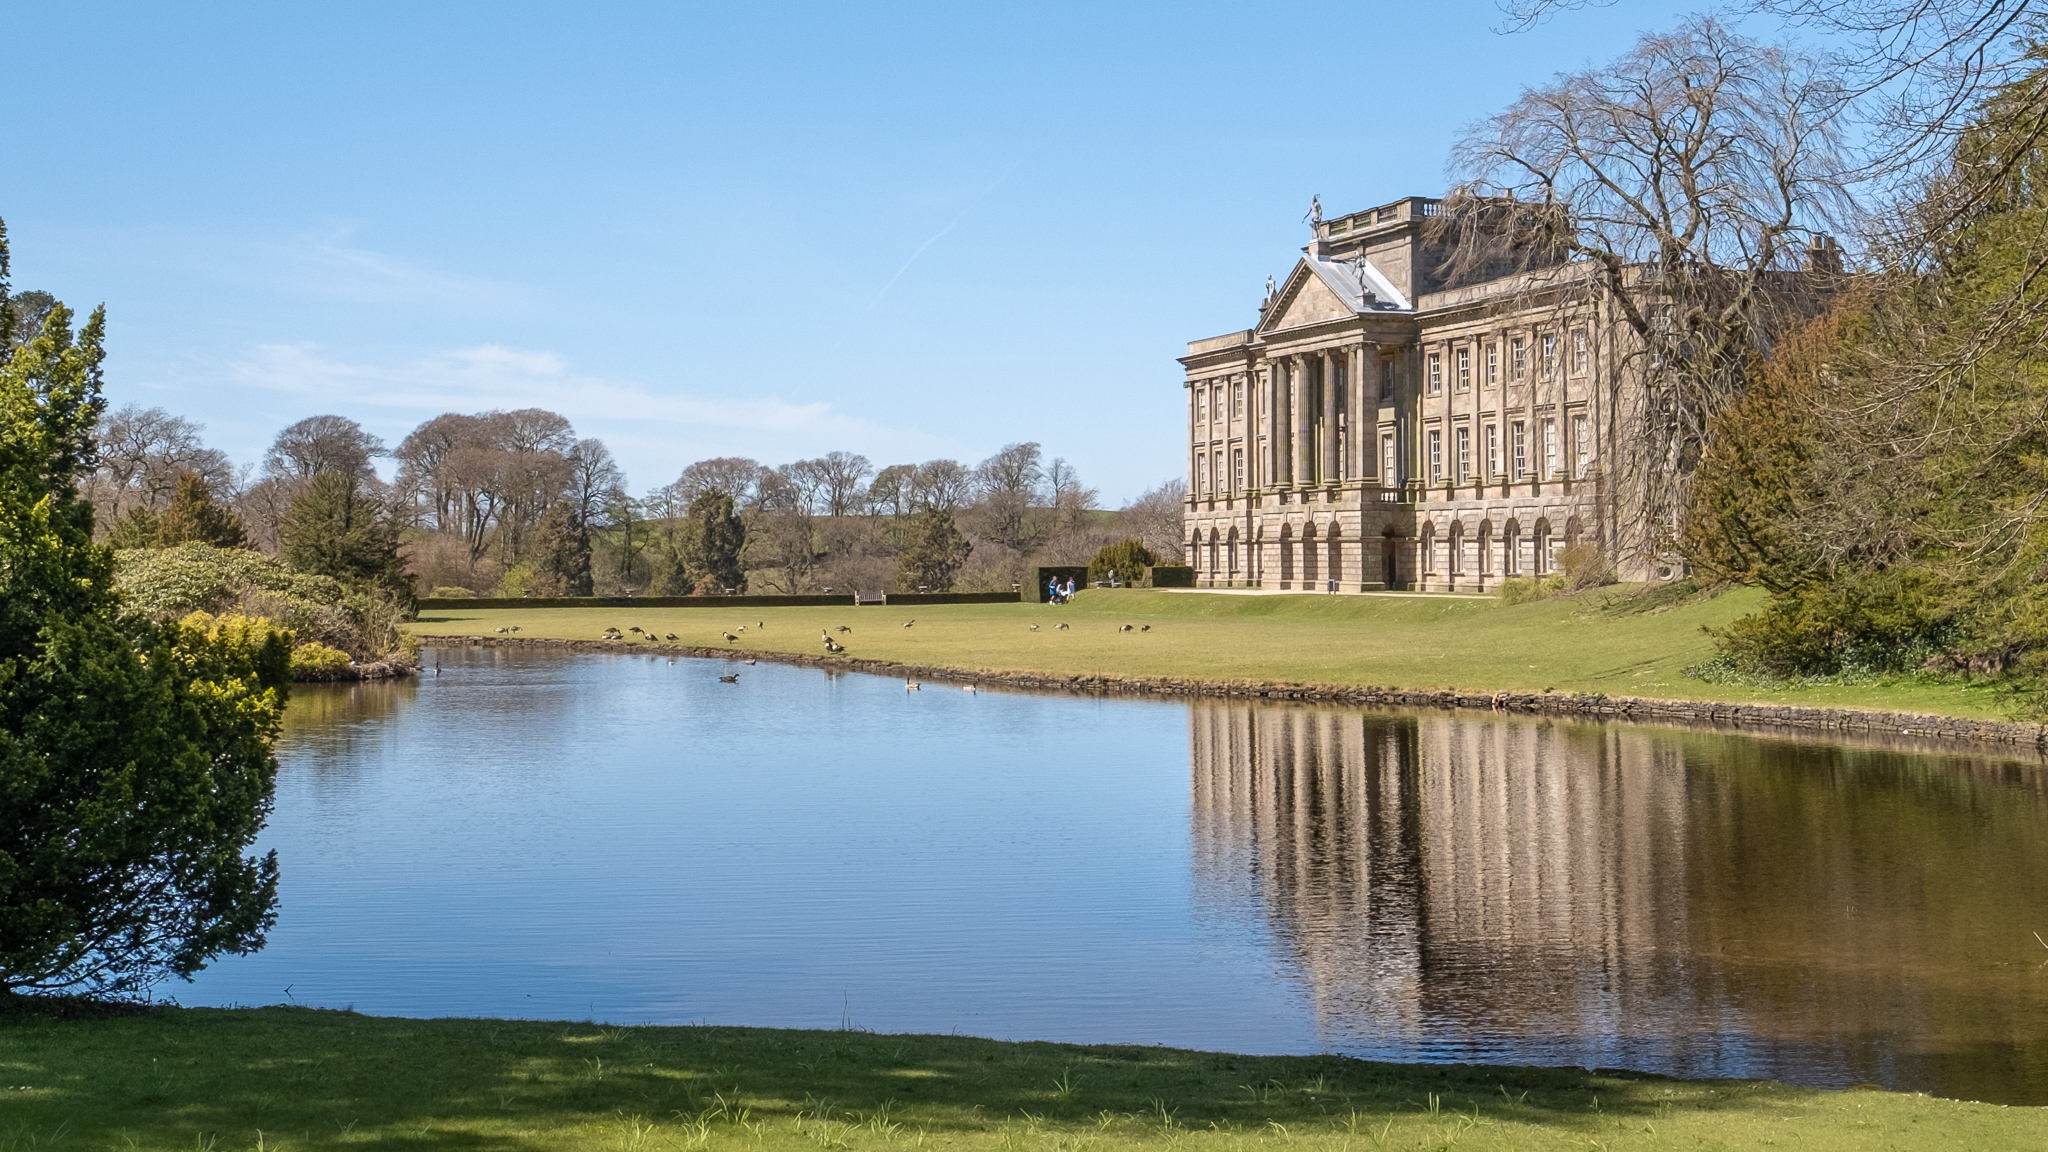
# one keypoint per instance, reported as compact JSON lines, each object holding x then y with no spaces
{"x":978,"y":197}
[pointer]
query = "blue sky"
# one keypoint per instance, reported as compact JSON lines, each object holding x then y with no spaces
{"x":765,"y":230}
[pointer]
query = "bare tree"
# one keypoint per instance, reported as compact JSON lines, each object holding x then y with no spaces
{"x":841,"y":474}
{"x":320,"y":444}
{"x":892,"y":489}
{"x":141,"y":453}
{"x":1667,"y":195}
{"x":736,"y":476}
{"x":939,"y":484}
{"x":1155,"y":518}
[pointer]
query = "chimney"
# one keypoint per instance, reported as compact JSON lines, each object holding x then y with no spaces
{"x":1823,"y":254}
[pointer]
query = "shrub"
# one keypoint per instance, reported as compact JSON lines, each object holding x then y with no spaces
{"x":316,"y":661}
{"x":1885,"y":622}
{"x":1519,"y":590}
{"x":451,"y":592}
{"x":169,"y":583}
{"x":1127,"y":558}
{"x":1584,"y":566}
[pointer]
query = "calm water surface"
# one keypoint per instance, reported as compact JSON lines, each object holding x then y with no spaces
{"x":626,"y":839}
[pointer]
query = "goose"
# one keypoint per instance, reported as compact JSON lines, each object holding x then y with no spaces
{"x":670,"y":636}
{"x":748,"y":663}
{"x":1144,"y":627}
{"x":908,"y":623}
{"x":515,"y":627}
{"x":1034,"y":627}
{"x":760,"y":623}
{"x":1061,"y":626}
{"x":832,"y":647}
{"x":911,"y":686}
{"x":501,"y":629}
{"x":732,"y":679}
{"x":1125,"y":628}
{"x":729,"y":637}
{"x":843,"y":628}
{"x":967,"y":688}
{"x":634,"y":629}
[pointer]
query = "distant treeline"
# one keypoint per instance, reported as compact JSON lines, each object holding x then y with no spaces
{"x":516,"y":504}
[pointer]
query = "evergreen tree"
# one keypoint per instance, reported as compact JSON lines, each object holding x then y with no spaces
{"x":136,"y":528}
{"x":1127,"y":558}
{"x":711,"y":545}
{"x":194,"y":517}
{"x":933,"y":551}
{"x":561,"y":554}
{"x":135,"y":758}
{"x":337,"y":526}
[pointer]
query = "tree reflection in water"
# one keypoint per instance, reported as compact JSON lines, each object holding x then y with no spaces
{"x":1452,"y":887}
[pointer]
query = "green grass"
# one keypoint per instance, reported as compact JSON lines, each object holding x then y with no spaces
{"x":1575,"y":644}
{"x":285,"y":1078}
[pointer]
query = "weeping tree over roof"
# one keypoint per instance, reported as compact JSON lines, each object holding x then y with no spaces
{"x":135,"y":757}
{"x":1668,"y":194}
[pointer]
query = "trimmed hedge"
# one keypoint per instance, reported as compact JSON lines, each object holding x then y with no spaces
{"x":451,"y":603}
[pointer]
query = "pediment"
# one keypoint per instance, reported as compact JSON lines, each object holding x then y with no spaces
{"x":1306,"y":300}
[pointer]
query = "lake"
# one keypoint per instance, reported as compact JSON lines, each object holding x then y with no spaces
{"x":626,"y":839}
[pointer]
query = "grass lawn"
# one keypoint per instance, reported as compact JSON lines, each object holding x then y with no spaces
{"x":1472,"y":643}
{"x":286,"y":1078}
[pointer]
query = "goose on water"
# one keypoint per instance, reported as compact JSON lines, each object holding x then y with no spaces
{"x":732,"y":679}
{"x":911,"y":686}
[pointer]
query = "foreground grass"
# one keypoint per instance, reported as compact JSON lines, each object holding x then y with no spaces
{"x":1577,"y":644}
{"x":288,"y":1078}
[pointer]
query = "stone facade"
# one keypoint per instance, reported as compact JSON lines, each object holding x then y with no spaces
{"x":1384,"y":428}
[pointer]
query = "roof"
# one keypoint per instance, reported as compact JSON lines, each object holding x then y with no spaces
{"x":1362,"y":287}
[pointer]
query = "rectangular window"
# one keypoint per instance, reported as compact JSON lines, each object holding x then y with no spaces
{"x":1390,"y":472}
{"x":1201,"y":474}
{"x":1518,"y":358}
{"x":1582,"y":445}
{"x":1237,"y":400}
{"x":1550,"y":456}
{"x":1493,"y":363}
{"x":1464,"y":369}
{"x":1237,"y":469}
{"x":1582,"y":352}
{"x":1493,"y":449}
{"x":1201,"y":405}
{"x":1463,"y":439}
{"x":1436,"y":454}
{"x":1386,"y":379}
{"x":1436,"y":373}
{"x":1549,"y":355}
{"x":1518,"y":446}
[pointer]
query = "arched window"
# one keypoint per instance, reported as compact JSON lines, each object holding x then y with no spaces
{"x":1287,"y":552}
{"x":1485,"y":547}
{"x":1428,"y":549}
{"x":1336,"y":553}
{"x":1542,"y":542}
{"x":1511,"y":549}
{"x":1308,"y":553}
{"x":1212,"y":553}
{"x":1457,"y":549}
{"x":1231,"y":548}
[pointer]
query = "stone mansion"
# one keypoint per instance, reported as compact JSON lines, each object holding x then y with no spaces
{"x":1382,"y":428}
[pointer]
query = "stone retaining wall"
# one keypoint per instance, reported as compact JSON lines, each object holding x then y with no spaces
{"x":1717,"y":713}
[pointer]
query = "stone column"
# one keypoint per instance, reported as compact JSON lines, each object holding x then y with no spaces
{"x":1262,"y":421}
{"x":1329,"y":364}
{"x":1304,"y":425}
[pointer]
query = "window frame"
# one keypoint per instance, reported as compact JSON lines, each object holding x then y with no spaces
{"x":1518,"y":358}
{"x":1553,"y":458}
{"x":1461,"y":451}
{"x":1492,"y":439}
{"x":1434,"y":376}
{"x":1435,"y":441}
{"x":1518,"y":448}
{"x":1464,"y":367}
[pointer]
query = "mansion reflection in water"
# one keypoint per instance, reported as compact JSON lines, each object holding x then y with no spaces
{"x":1452,"y":887}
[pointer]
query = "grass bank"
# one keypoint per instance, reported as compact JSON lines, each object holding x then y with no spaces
{"x":1588,"y":644}
{"x":287,"y":1078}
